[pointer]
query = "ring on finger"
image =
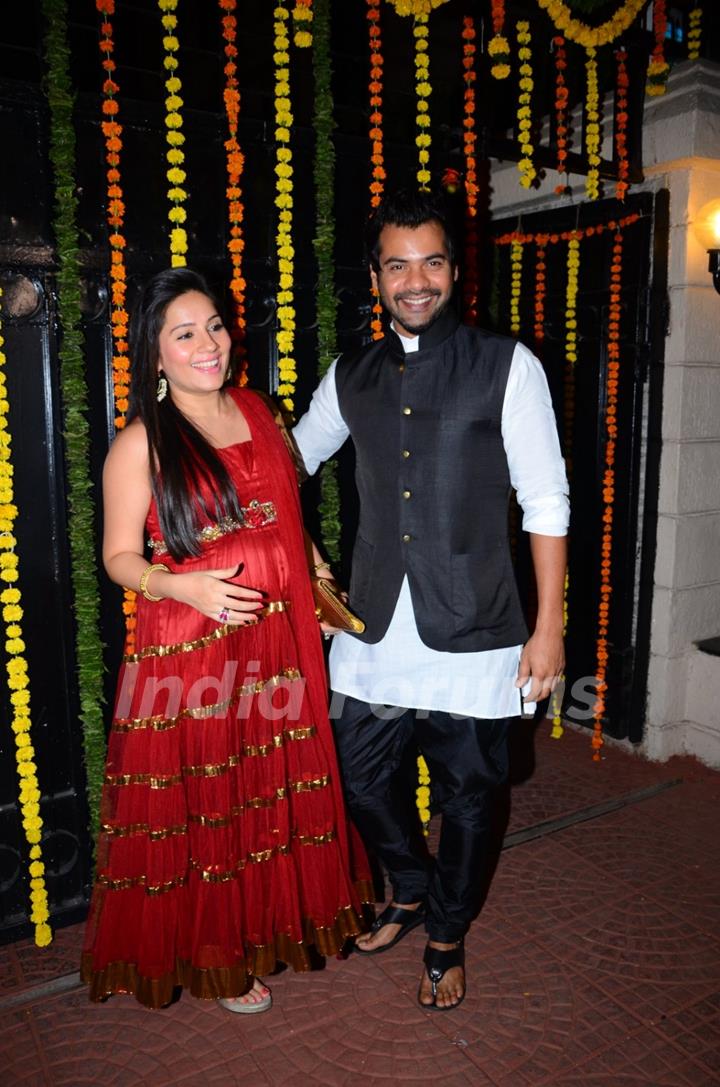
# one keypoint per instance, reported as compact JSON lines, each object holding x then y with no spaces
{"x":224,"y":615}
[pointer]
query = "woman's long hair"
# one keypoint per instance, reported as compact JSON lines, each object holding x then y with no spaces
{"x":180,"y":457}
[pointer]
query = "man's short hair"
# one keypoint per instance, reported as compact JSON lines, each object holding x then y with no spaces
{"x":410,"y":208}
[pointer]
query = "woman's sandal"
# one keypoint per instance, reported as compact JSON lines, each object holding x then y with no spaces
{"x":234,"y":1004}
{"x":437,"y":963}
{"x":393,"y":915}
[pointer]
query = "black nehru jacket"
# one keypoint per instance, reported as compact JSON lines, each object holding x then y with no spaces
{"x":434,"y":484}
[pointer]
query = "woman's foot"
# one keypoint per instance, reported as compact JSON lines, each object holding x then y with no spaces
{"x":256,"y":999}
{"x":384,"y":934}
{"x":443,"y":982}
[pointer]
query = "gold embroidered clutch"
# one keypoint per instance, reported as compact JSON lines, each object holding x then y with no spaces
{"x":330,"y":609}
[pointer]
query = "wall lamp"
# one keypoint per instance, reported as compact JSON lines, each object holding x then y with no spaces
{"x":707,"y":230}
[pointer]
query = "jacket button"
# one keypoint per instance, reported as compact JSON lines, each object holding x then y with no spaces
{"x":407,"y":411}
{"x":406,"y":453}
{"x":406,"y":494}
{"x":406,"y":538}
{"x":401,"y":367}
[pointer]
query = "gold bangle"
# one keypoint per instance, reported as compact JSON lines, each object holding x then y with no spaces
{"x":321,"y":566}
{"x":151,"y":568}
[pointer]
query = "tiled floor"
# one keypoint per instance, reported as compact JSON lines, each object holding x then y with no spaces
{"x":596,"y":960}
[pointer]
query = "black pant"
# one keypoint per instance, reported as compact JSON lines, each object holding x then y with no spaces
{"x":467,"y":759}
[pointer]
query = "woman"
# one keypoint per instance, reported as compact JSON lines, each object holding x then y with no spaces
{"x":223,"y":842}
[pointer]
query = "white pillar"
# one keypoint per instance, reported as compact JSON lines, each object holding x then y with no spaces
{"x":681,"y":152}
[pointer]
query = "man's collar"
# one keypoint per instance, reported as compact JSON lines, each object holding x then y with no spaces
{"x":439,"y":330}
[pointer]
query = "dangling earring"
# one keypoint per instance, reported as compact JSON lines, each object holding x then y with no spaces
{"x":161,"y":388}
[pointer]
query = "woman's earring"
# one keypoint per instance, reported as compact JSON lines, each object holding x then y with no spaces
{"x":161,"y":388}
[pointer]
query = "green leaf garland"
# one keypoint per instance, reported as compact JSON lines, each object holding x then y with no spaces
{"x":324,"y":246}
{"x":81,"y":518}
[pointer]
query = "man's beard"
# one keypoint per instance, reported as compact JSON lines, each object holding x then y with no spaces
{"x":424,"y":325}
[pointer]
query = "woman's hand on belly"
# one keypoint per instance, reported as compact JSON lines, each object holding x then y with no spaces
{"x":212,"y":594}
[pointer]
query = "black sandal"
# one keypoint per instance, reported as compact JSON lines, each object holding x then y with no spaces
{"x":437,"y":963}
{"x":393,"y":915}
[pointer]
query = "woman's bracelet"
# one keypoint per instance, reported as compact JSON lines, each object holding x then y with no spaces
{"x":151,"y":568}
{"x":320,"y":566}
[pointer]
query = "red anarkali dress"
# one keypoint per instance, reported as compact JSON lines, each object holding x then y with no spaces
{"x":224,"y":845}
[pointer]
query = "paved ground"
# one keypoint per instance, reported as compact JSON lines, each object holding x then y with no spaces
{"x":596,"y":960}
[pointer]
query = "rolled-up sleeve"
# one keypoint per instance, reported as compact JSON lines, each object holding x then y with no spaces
{"x":529,"y":431}
{"x":322,"y":429}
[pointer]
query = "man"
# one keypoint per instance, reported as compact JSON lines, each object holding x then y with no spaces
{"x":445,"y":419}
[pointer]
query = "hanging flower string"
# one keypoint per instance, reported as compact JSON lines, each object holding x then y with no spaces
{"x":611,"y":402}
{"x":571,"y":293}
{"x":621,"y":121}
{"x":416,"y":7}
{"x":517,"y":236}
{"x":287,"y":368}
{"x":540,"y":292}
{"x":470,"y":279}
{"x":377,"y":156}
{"x":235,"y":164}
{"x":498,"y":48}
{"x":516,"y":256}
{"x":302,"y":22}
{"x":694,"y":33}
{"x":175,"y":155}
{"x":115,"y":213}
{"x":525,"y":164}
{"x":17,"y":675}
{"x":561,"y":105}
{"x":592,"y":36}
{"x":423,"y":90}
{"x":658,"y":68}
{"x":592,"y":126}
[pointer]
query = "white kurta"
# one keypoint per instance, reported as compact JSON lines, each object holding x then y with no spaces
{"x":400,"y":670}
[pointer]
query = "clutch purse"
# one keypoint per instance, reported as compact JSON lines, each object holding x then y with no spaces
{"x":330,"y":609}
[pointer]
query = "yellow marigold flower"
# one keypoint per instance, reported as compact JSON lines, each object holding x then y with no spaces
{"x":500,"y":71}
{"x":170,"y":43}
{"x":303,"y":39}
{"x":177,"y":215}
{"x":173,"y":102}
{"x":173,"y":120}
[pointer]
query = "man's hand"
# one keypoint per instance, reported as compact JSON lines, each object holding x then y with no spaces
{"x":542,"y":661}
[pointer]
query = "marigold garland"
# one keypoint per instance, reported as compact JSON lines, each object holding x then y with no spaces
{"x":175,"y":156}
{"x":115,"y":214}
{"x":498,"y":48}
{"x":235,"y":164}
{"x":694,"y":33}
{"x":621,"y":122}
{"x":592,"y":126}
{"x":415,"y":7}
{"x":571,"y":293}
{"x":423,"y":90}
{"x":377,"y":155}
{"x":302,"y":21}
{"x":565,"y":235}
{"x":540,"y":292}
{"x":470,"y":279}
{"x":561,"y":105}
{"x":422,"y":793}
{"x":287,"y":367}
{"x":17,"y":675}
{"x":516,"y":256}
{"x":658,"y":68}
{"x":525,"y":163}
{"x":608,"y":494}
{"x":592,"y":36}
